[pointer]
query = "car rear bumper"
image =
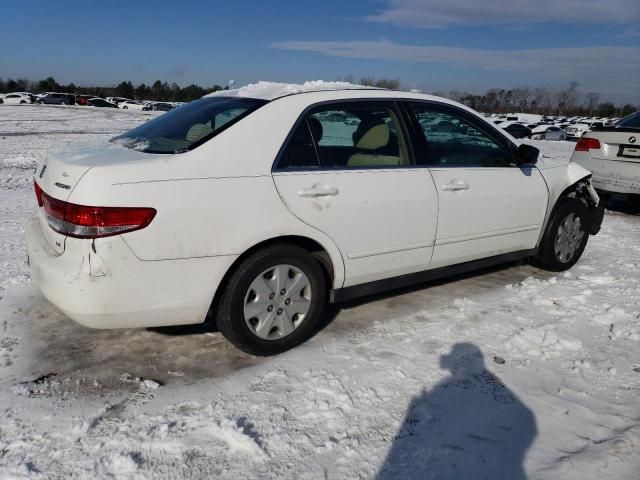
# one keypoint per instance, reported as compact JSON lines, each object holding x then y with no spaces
{"x":102,"y":284}
{"x":612,"y":175}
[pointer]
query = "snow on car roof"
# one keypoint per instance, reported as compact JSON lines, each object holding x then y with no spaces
{"x":271,"y":90}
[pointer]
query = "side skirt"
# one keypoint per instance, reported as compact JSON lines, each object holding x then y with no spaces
{"x":349,"y":293}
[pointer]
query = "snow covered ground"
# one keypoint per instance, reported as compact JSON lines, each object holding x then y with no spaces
{"x":501,"y":374}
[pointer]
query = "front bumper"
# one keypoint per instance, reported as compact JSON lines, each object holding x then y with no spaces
{"x":102,"y":284}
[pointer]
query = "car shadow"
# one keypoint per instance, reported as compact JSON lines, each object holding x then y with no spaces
{"x":470,"y":425}
{"x":185,"y":354}
{"x":504,"y":274}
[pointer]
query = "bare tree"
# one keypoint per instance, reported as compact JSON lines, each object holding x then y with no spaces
{"x":389,"y":83}
{"x":591,"y":101}
{"x":520,"y":97}
{"x":567,"y":97}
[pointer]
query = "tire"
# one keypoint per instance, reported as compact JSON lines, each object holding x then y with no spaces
{"x":64,"y":104}
{"x":125,"y":108}
{"x":564,"y":239}
{"x":246,"y":291}
{"x":22,"y":102}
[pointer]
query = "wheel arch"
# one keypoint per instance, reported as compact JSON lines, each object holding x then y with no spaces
{"x":331,"y":267}
{"x":575,"y":190}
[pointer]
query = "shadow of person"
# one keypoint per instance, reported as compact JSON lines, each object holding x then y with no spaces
{"x":469,"y":426}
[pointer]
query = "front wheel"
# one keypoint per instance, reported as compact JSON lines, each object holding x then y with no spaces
{"x":273,"y":301}
{"x":565,"y":238}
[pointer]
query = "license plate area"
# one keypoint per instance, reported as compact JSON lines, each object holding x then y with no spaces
{"x":629,"y":151}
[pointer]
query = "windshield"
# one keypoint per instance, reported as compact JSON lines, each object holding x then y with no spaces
{"x":630,"y":121}
{"x":189,"y":125}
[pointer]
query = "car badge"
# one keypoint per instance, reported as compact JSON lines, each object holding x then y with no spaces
{"x":632,"y":139}
{"x":44,"y":167}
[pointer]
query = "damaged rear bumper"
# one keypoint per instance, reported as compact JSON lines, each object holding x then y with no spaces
{"x":102,"y":284}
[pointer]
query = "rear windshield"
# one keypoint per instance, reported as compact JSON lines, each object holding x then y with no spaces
{"x":630,"y":121}
{"x":189,"y":125}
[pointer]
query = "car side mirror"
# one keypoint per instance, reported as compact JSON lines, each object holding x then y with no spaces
{"x":527,"y":155}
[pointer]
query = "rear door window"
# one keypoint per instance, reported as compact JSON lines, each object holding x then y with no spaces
{"x":346,"y":136}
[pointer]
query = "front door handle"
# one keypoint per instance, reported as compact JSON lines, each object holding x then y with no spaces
{"x":455,"y":186}
{"x":318,"y":191}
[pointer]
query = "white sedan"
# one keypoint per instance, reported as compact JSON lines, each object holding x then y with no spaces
{"x":613,"y":155}
{"x":252,"y":209}
{"x":132,"y":105}
{"x":17,"y":98}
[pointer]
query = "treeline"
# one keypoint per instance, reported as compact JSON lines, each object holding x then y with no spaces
{"x":161,"y":91}
{"x":568,"y":100}
{"x":564,"y":101}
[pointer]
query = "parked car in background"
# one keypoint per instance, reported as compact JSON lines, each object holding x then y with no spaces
{"x":161,"y":106}
{"x":84,"y":99}
{"x":517,"y":130}
{"x":57,"y":99}
{"x":118,"y":100}
{"x":254,"y":210}
{"x":132,"y":105}
{"x":100,"y":102}
{"x":18,"y":98}
{"x":546,"y":132}
{"x":578,"y":130}
{"x":613,"y":155}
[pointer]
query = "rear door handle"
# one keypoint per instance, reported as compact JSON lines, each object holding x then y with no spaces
{"x":455,"y":186}
{"x":319,"y":191}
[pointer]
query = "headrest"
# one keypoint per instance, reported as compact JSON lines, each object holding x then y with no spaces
{"x":376,"y":137}
{"x":445,"y":126}
{"x":316,"y":128}
{"x":198,"y":131}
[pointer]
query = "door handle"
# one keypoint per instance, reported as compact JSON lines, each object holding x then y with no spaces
{"x":455,"y":186}
{"x":318,"y":191}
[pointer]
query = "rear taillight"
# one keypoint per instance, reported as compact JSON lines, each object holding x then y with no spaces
{"x":38,"y":193}
{"x":585,"y":144}
{"x":82,"y":221}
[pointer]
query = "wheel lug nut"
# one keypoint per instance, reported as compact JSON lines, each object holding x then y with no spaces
{"x":270,"y":308}
{"x":287,"y":301}
{"x":283,"y":291}
{"x":279,"y":312}
{"x":272,"y":296}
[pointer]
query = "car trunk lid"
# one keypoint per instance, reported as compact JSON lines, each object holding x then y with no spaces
{"x":623,"y":146}
{"x":62,"y":169}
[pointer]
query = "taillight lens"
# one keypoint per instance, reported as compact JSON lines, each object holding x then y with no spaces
{"x":38,"y":193}
{"x":585,"y":144}
{"x":83,"y":221}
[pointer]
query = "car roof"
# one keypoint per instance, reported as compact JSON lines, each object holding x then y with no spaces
{"x":318,"y":91}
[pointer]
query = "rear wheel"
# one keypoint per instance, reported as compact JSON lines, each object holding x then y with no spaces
{"x":565,"y":238}
{"x":273,"y":301}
